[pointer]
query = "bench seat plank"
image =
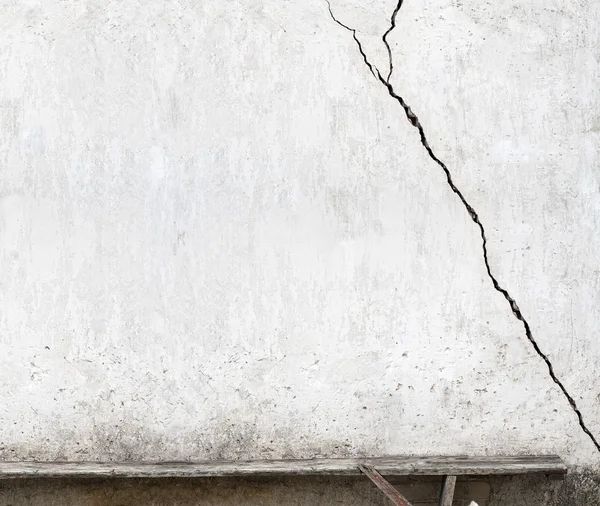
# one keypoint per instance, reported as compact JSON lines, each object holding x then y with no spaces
{"x":400,"y":466}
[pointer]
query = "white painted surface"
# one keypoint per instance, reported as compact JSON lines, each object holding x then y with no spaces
{"x":220,"y":237}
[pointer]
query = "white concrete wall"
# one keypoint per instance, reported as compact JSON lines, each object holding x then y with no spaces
{"x":220,"y":236}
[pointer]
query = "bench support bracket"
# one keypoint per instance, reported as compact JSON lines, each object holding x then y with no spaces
{"x":447,"y":495}
{"x":385,"y":486}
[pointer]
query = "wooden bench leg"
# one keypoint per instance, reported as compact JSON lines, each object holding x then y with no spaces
{"x":385,"y":486}
{"x":447,"y":494}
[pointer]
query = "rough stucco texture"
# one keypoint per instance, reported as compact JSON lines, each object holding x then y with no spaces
{"x":221,"y":238}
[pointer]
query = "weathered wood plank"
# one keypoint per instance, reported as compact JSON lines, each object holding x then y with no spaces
{"x":399,"y":466}
{"x":382,"y":484}
{"x":447,"y":494}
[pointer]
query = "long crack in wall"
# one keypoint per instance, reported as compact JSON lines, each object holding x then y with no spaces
{"x":414,"y":121}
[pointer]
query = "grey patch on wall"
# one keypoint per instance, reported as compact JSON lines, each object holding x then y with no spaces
{"x":128,"y":441}
{"x":222,"y":491}
{"x":581,"y":487}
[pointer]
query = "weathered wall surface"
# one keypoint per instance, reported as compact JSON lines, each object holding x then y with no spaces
{"x":220,"y":237}
{"x":580,"y":488}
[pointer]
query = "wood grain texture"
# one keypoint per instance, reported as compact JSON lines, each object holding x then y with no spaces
{"x":382,"y":484}
{"x":447,"y":495}
{"x":433,"y":466}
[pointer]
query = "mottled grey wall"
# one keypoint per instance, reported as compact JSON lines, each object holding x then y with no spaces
{"x":579,"y":488}
{"x":220,"y":237}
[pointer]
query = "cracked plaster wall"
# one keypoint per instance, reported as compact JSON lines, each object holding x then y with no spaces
{"x":221,"y":238}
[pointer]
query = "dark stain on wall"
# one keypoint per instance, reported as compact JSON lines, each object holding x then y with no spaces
{"x":580,"y":488}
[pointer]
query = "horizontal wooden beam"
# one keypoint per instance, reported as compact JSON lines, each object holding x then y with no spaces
{"x":394,"y":466}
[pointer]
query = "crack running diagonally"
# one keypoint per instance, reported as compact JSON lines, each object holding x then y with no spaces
{"x":372,"y":68}
{"x":385,"y":35}
{"x":414,"y":121}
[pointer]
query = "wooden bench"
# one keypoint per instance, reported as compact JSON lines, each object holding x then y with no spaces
{"x":374,"y":468}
